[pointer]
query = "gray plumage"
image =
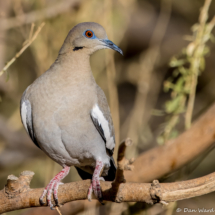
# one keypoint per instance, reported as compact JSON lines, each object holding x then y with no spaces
{"x":65,"y":112}
{"x":58,"y":115}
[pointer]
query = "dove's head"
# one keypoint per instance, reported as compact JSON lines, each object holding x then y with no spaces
{"x":87,"y":37}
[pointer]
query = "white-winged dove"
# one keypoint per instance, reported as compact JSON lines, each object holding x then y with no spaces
{"x":66,"y":113}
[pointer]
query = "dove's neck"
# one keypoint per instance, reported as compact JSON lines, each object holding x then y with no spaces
{"x":74,"y":68}
{"x":75,"y":61}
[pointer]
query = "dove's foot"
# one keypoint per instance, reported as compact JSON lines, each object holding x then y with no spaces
{"x":52,"y":187}
{"x":95,"y":186}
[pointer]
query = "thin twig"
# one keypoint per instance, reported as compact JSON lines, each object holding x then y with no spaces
{"x":31,"y":31}
{"x":25,"y":46}
{"x":196,"y":61}
{"x":58,"y":210}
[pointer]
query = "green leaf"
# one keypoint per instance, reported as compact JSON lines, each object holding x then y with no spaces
{"x":172,"y":105}
{"x":176,"y":63}
{"x":183,"y":71}
{"x":176,"y":105}
{"x":179,"y":85}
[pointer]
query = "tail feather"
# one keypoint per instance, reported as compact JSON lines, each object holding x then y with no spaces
{"x":111,"y":172}
{"x":84,"y":175}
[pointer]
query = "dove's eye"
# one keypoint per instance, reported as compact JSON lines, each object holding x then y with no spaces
{"x":89,"y":34}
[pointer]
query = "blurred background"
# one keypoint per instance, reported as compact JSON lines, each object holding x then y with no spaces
{"x":154,"y":36}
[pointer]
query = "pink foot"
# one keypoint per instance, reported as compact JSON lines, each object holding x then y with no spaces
{"x":95,"y":186}
{"x":53,"y":187}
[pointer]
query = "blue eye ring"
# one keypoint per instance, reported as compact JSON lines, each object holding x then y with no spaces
{"x":89,"y":34}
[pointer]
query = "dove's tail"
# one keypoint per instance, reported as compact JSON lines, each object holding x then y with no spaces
{"x":111,"y":172}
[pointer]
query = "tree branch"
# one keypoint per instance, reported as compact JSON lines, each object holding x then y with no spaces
{"x":17,"y":194}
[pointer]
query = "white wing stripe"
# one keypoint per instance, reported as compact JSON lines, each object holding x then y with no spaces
{"x":97,"y":114}
{"x":24,"y":115}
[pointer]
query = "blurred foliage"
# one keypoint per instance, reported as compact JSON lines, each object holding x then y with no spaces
{"x":188,"y":66}
{"x":131,"y":25}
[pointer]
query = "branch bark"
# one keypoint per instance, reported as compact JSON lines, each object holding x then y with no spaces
{"x":18,"y":195}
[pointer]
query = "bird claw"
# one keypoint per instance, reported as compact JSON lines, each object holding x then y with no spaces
{"x":41,"y":201}
{"x":101,"y":201}
{"x":56,"y":202}
{"x":96,"y":189}
{"x":52,"y":207}
{"x":42,"y":196}
{"x":52,"y":188}
{"x":95,"y":186}
{"x":89,"y":195}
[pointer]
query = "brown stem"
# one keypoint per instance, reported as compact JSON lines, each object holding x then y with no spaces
{"x":196,"y":61}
